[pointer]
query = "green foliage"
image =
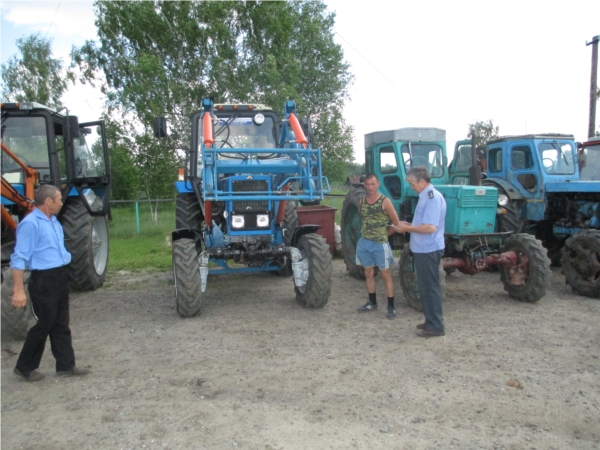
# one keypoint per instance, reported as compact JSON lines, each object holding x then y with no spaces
{"x":484,"y":132}
{"x":125,"y":175}
{"x":161,"y":58}
{"x":140,"y":252}
{"x":35,"y":76}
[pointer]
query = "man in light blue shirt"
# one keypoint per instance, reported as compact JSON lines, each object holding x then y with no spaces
{"x":427,"y":246}
{"x":40,"y":248}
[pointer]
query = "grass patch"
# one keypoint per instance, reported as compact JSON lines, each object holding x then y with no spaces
{"x":144,"y":252}
{"x":149,"y":250}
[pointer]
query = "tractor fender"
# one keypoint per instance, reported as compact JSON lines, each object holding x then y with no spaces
{"x":300,"y":231}
{"x":185,"y":233}
{"x":506,"y":186}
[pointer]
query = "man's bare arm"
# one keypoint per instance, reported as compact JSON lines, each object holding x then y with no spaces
{"x":19,"y":298}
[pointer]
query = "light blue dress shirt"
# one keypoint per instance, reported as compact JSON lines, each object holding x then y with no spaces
{"x":431,"y":210}
{"x":40,"y":243}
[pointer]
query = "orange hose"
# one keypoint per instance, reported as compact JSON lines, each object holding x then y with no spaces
{"x":297,"y":128}
{"x":207,"y":129}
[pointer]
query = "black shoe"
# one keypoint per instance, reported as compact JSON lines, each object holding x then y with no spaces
{"x":428,"y":333}
{"x":421,"y":326}
{"x":76,"y":371}
{"x":391,"y":314}
{"x":367,"y":307}
{"x":34,"y":375}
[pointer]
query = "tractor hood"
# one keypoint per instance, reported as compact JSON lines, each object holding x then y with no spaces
{"x":573,"y":186}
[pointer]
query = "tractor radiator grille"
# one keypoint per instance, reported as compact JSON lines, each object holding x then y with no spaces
{"x":250,"y":186}
{"x":470,"y":199}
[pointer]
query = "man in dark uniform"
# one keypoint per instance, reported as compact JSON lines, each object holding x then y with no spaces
{"x":427,"y":246}
{"x":40,"y":247}
{"x":376,"y":213}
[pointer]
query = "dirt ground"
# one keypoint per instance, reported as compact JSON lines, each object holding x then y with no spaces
{"x":257,"y":371}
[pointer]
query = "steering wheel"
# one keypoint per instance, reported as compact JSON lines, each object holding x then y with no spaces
{"x":419,"y":161}
{"x":549,"y":167}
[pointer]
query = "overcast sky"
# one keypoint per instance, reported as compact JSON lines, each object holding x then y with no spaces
{"x":523,"y":64}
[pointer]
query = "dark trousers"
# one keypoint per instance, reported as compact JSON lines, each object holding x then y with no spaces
{"x":49,"y":293}
{"x":430,"y":291}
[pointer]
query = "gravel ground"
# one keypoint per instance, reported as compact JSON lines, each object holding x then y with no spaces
{"x":257,"y":371}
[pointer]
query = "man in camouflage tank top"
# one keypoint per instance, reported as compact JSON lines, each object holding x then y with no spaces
{"x":377,"y":214}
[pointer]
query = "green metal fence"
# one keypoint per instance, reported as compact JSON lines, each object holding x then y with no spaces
{"x":131,"y":218}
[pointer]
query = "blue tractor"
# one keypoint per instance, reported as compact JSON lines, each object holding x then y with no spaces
{"x":43,"y":146}
{"x":550,"y":188}
{"x":236,"y":207}
{"x":472,"y":242}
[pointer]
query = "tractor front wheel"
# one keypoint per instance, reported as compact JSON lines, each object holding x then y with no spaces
{"x":527,"y":281}
{"x":86,"y":239}
{"x":186,"y":275}
{"x":317,"y":260}
{"x":580,"y":262}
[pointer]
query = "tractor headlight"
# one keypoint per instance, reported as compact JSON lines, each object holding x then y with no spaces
{"x":237,"y":221}
{"x":502,"y":199}
{"x":262,"y":220}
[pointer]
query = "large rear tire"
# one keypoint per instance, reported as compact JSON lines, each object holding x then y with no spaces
{"x":186,"y":275}
{"x":86,"y":239}
{"x":408,"y":279}
{"x":188,"y":214}
{"x":315,"y":252}
{"x":580,"y":262}
{"x":16,"y":321}
{"x":532,"y":270}
{"x":351,"y":227}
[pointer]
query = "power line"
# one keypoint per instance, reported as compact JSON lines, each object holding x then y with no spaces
{"x":385,"y":78}
{"x":54,"y":17}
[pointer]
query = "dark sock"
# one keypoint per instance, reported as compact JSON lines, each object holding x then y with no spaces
{"x":373,"y":298}
{"x":390,"y":302}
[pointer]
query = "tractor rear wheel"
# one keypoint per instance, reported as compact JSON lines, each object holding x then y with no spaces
{"x":16,"y":321}
{"x":317,"y":259}
{"x":186,"y":275}
{"x":527,"y":281}
{"x":408,"y":279}
{"x":581,"y":263}
{"x":86,"y":239}
{"x":188,"y":214}
{"x":351,"y":227}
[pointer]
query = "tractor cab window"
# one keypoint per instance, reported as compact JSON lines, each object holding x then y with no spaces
{"x":463,"y":158}
{"x":388,"y":166}
{"x":557,"y":158}
{"x":428,"y":155}
{"x":235,"y":131}
{"x":589,"y":161}
{"x":89,"y":159}
{"x":27,"y":138}
{"x":521,"y":159}
{"x":495,"y":159}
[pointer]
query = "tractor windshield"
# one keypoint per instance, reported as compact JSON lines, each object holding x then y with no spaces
{"x":590,"y":163}
{"x":428,"y":155}
{"x":27,"y":138}
{"x":557,"y":158}
{"x":241,"y":131}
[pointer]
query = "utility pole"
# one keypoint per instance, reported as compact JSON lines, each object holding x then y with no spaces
{"x":593,"y":86}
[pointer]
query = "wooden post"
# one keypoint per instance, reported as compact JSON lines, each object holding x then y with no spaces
{"x":593,"y":86}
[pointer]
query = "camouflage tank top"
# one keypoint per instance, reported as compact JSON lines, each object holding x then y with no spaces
{"x":374,"y":221}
